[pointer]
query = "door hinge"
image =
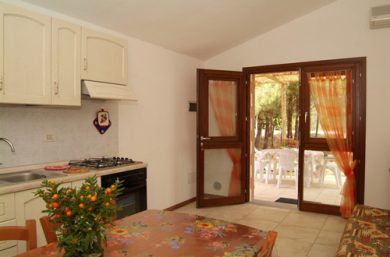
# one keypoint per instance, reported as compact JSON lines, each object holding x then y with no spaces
{"x":56,"y":88}
{"x":85,"y":64}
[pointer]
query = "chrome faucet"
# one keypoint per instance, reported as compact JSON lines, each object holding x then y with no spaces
{"x":9,"y":143}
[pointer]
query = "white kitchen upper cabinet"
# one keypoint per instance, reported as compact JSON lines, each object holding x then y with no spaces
{"x":66,"y":84}
{"x":25,"y":46}
{"x":104,"y":57}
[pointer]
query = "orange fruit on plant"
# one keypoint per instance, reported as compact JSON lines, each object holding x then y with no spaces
{"x":108,"y":190}
{"x":69,"y":213}
{"x":87,"y":188}
{"x":55,"y":197}
{"x":55,"y":205}
{"x":81,"y":205}
{"x":52,"y":182}
{"x":81,"y":197}
{"x":113,"y":187}
{"x":107,"y":204}
{"x":66,"y":209}
{"x":89,"y":197}
{"x":93,"y":198}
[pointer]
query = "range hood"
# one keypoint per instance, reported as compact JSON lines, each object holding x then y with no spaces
{"x":101,"y":90}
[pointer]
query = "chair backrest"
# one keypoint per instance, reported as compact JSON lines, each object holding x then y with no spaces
{"x":268,"y":246}
{"x":48,"y":229}
{"x":26,"y":233}
{"x":287,"y":159}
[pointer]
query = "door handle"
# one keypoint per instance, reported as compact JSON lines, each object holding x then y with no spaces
{"x":202,"y":138}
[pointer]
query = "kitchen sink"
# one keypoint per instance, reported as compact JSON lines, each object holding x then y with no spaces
{"x":27,"y":176}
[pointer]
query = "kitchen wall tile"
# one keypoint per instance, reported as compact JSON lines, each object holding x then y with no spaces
{"x":76,"y":137}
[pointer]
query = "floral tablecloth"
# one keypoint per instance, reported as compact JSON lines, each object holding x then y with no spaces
{"x":168,"y":234}
{"x":367,"y":233}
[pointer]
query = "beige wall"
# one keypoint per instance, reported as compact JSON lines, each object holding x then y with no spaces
{"x":338,"y":30}
{"x":158,"y":129}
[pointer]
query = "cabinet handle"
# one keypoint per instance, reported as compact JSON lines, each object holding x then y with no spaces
{"x":85,"y":64}
{"x":56,"y":88}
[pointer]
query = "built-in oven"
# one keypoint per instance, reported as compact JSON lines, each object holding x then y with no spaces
{"x":133,"y":197}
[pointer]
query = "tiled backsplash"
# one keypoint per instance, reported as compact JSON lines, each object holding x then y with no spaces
{"x":74,"y":134}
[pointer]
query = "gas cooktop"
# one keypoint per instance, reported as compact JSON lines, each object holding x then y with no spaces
{"x":103,"y":162}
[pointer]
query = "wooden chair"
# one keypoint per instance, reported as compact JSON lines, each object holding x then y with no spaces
{"x":48,"y":229}
{"x":266,"y":250}
{"x":26,"y":233}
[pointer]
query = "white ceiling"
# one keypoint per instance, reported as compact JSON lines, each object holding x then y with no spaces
{"x":198,"y":28}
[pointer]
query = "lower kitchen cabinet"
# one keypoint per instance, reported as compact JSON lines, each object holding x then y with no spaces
{"x":4,"y":245}
{"x":12,"y":251}
{"x":29,"y":206}
{"x":7,"y":207}
{"x":7,"y":218}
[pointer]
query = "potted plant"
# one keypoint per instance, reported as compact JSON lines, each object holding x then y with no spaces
{"x":81,"y":214}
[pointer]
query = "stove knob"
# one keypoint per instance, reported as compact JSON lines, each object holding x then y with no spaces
{"x":126,"y":159}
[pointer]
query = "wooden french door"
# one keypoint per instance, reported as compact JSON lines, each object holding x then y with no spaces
{"x":221,"y":138}
{"x":315,"y":157}
{"x":316,"y":162}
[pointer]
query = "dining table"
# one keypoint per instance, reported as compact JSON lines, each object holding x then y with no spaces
{"x":156,"y":233}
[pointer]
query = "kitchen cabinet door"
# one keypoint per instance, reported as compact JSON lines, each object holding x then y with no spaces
{"x":24,"y":56}
{"x":29,"y":206}
{"x":66,"y":84}
{"x":8,"y":252}
{"x":104,"y":57}
{"x":8,"y":243}
{"x":7,"y":207}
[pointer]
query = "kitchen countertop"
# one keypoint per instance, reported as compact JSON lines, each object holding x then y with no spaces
{"x":16,"y":187}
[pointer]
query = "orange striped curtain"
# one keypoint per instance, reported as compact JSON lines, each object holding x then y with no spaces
{"x":222,"y":95}
{"x":331,"y":94}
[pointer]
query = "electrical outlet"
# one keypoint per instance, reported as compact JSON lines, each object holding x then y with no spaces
{"x":50,"y":138}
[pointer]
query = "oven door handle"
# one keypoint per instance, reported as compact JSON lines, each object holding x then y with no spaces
{"x":132,"y":189}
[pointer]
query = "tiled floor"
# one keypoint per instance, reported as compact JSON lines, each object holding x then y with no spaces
{"x":300,"y":234}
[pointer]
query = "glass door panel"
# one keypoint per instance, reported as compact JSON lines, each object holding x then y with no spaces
{"x":222,"y":172}
{"x":222,"y":108}
{"x":334,"y":82}
{"x":322,"y":178}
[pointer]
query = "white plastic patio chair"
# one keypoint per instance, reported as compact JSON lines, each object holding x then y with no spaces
{"x":287,"y":162}
{"x":262,"y":163}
